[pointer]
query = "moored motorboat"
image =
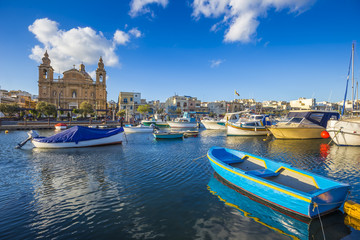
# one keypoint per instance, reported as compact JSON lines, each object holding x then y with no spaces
{"x":213,"y":124}
{"x":184,"y":122}
{"x":303,"y":124}
{"x":78,"y":136}
{"x":60,"y":126}
{"x":252,"y":125}
{"x":291,"y":189}
{"x":138,"y":129}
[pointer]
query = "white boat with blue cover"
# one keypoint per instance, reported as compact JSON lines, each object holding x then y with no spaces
{"x":79,"y":136}
{"x":279,"y":184}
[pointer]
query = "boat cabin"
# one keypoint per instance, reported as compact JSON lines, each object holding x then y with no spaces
{"x":315,"y":117}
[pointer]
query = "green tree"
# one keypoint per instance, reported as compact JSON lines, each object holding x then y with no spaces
{"x":121,"y":113}
{"x":45,"y":108}
{"x":9,"y":109}
{"x":143,"y":109}
{"x":160,"y":110}
{"x":86,"y":108}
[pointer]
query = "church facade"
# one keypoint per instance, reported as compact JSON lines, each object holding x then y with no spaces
{"x":75,"y":87}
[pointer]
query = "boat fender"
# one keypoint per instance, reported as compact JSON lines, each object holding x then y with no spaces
{"x":6,"y":131}
{"x":352,"y":209}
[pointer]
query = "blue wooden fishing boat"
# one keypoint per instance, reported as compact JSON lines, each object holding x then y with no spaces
{"x":280,"y":222}
{"x":279,"y":184}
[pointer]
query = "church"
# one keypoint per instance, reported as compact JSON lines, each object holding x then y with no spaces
{"x":75,"y":87}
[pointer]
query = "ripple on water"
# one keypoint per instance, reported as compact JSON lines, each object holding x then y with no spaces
{"x":143,"y":188}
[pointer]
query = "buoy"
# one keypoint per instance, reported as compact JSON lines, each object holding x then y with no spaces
{"x":325,"y":134}
{"x":6,"y":131}
{"x":352,"y":209}
{"x":352,"y":222}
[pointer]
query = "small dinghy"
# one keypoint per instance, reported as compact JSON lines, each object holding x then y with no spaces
{"x":168,"y":135}
{"x":278,"y":184}
{"x":60,"y":126}
{"x":78,"y":136}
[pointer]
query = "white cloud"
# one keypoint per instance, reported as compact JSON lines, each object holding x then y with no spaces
{"x":69,"y":47}
{"x":138,"y":7}
{"x":241,"y":16}
{"x":215,"y":63}
{"x":135,"y":32}
{"x":121,"y":37}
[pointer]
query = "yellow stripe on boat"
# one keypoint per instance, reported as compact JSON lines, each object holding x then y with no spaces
{"x":261,"y":182}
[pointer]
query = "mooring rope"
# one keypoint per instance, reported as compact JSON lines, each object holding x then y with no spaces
{"x":335,"y":135}
{"x":322,"y":227}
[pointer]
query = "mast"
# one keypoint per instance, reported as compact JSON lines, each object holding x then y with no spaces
{"x":352,"y":77}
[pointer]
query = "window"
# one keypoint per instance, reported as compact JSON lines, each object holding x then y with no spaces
{"x":101,"y":77}
{"x":131,"y":107}
{"x":124,"y":107}
{"x":74,"y":94}
{"x":317,"y":116}
{"x":45,"y":75}
{"x":125,"y":100}
{"x":131,"y":99}
{"x":178,"y":104}
{"x":54,"y":93}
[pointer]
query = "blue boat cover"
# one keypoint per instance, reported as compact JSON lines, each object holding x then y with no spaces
{"x":78,"y":133}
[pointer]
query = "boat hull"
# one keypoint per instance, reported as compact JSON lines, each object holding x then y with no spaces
{"x":60,"y":127}
{"x":344,"y":133}
{"x":168,"y":135}
{"x":138,"y":129}
{"x":296,"y":132}
{"x":213,"y":125}
{"x":287,"y":198}
{"x":158,"y":124}
{"x":238,"y":130}
{"x":183,"y":124}
{"x":114,"y":139}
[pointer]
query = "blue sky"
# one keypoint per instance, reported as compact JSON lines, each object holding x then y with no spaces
{"x":264,"y":49}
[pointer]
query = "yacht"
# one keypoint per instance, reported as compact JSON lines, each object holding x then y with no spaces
{"x":303,"y":124}
{"x":251,"y":125}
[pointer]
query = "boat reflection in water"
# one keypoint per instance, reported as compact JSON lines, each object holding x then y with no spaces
{"x":333,"y":224}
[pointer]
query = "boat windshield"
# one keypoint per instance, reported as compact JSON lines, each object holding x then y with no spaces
{"x":295,"y":120}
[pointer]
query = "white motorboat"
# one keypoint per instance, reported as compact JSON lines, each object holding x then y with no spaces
{"x":78,"y":136}
{"x":138,"y":129}
{"x":252,"y":125}
{"x":184,"y":122}
{"x":212,"y":124}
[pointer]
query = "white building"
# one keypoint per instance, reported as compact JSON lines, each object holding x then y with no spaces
{"x":184,"y":103}
{"x":303,"y":104}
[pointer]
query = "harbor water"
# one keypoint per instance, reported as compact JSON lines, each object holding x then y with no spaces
{"x":158,"y":189}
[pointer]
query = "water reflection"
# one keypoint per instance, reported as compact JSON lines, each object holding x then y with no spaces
{"x":333,"y":224}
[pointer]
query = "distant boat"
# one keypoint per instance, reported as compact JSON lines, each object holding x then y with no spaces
{"x":138,"y":129}
{"x":60,"y":126}
{"x":212,"y":124}
{"x":78,"y":136}
{"x":285,"y":187}
{"x":303,"y":124}
{"x":168,"y":135}
{"x":252,"y":125}
{"x":184,"y":122}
